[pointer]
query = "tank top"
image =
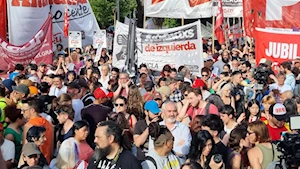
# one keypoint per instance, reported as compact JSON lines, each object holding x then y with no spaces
{"x":62,"y":137}
{"x":17,"y":140}
{"x":269,"y":154}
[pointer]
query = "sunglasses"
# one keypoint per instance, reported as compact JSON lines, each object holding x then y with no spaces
{"x":204,"y":75}
{"x":185,"y":95}
{"x":250,"y":132}
{"x":121,"y":105}
{"x":157,"y":99}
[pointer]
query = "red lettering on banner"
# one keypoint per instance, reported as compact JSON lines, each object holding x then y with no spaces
{"x":43,"y":3}
{"x":172,"y":47}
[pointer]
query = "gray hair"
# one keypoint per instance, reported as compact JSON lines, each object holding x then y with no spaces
{"x":163,"y":107}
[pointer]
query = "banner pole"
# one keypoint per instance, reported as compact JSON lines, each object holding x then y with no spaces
{"x":115,"y":18}
{"x":228,"y":32}
{"x":213,"y":34}
{"x":182,"y":21}
{"x":145,"y":21}
{"x":240,"y":32}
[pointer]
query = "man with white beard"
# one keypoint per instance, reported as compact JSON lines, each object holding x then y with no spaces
{"x":180,"y":131}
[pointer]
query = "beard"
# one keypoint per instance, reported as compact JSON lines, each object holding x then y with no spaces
{"x":101,"y":153}
{"x":171,"y":119}
{"x":225,"y":60}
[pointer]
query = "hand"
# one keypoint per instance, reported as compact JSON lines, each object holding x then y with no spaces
{"x":153,"y":120}
{"x":127,"y":83}
{"x":241,"y":118}
{"x":272,"y":76}
{"x":214,"y":165}
{"x":120,"y":83}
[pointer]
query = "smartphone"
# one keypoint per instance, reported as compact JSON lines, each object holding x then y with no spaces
{"x":295,"y":122}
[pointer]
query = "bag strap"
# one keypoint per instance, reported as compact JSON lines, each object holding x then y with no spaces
{"x":273,"y":153}
{"x":152,"y":160}
{"x":207,"y":108}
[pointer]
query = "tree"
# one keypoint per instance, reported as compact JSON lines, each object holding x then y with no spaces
{"x":171,"y":23}
{"x":104,"y":10}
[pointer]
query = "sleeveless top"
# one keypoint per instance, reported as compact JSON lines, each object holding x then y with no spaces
{"x":62,"y":137}
{"x":17,"y":140}
{"x":269,"y":155}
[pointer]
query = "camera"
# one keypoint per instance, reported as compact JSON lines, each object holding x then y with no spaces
{"x":261,"y":75}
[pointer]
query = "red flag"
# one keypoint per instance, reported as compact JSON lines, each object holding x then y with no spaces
{"x":219,"y":22}
{"x":3,"y":23}
{"x":66,"y":22}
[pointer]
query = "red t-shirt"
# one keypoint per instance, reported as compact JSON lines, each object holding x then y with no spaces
{"x":192,"y":111}
{"x":86,"y":152}
{"x":275,"y":133}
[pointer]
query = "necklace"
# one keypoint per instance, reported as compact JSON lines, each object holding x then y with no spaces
{"x":115,"y":159}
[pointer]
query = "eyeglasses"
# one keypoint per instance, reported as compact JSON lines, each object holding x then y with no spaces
{"x":121,"y":105}
{"x":157,"y":99}
{"x":204,"y":75}
{"x":23,"y":110}
{"x":185,"y":95}
{"x":248,"y":132}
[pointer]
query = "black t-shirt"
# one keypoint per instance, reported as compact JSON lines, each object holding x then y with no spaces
{"x":94,"y":114}
{"x":125,"y":161}
{"x":88,"y":99}
{"x":223,"y":150}
{"x":139,"y":128}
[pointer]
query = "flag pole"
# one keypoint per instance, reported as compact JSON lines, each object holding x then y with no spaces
{"x":213,"y":34}
{"x":69,"y":50}
{"x":182,"y":21}
{"x":145,"y":21}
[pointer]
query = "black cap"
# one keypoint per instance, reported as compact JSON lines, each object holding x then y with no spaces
{"x":74,"y":85}
{"x":179,"y":77}
{"x":82,"y":83}
{"x":149,"y":85}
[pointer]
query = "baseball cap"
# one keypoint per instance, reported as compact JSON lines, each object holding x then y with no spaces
{"x":101,"y":92}
{"x":278,"y":111}
{"x":149,"y":85}
{"x":157,"y":96}
{"x":82,"y":83}
{"x":34,"y":79}
{"x":22,"y":89}
{"x":8,"y":83}
{"x":198,"y":83}
{"x":179,"y":77}
{"x":265,"y":61}
{"x":208,"y":58}
{"x":74,"y":85}
{"x":30,"y":149}
{"x":152,"y":106}
{"x":164,"y":90}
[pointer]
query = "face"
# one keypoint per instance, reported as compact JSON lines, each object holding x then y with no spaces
{"x":194,"y":100}
{"x":114,"y":75}
{"x":266,"y":107}
{"x":251,"y":136}
{"x":41,"y":140}
{"x":226,"y":91}
{"x":143,"y":79}
{"x":158,"y":101}
{"x":223,"y":47}
{"x":162,"y":83}
{"x":245,"y":142}
{"x":124,"y":78}
{"x":238,"y":78}
{"x":82,"y":133}
{"x":235,"y":64}
{"x":32,"y":160}
{"x":254,"y":109}
{"x":226,"y":69}
{"x":62,"y":118}
{"x":72,"y":92}
{"x":102,"y":141}
{"x":104,"y":70}
{"x":196,"y":126}
{"x":71,"y":77}
{"x":42,"y":68}
{"x":166,"y":73}
{"x":225,"y":118}
{"x":170,"y":144}
{"x":26,"y":111}
{"x":207,"y":149}
{"x":120,"y":106}
{"x":173,"y":74}
{"x":170,"y":113}
{"x":144,"y":70}
{"x":281,"y":80}
{"x":151,"y":115}
{"x":18,"y":95}
{"x":204,"y":76}
{"x":57,"y":82}
{"x":225,"y":56}
{"x":172,"y":86}
{"x":277,"y":122}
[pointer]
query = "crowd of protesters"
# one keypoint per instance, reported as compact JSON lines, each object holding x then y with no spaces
{"x":79,"y":114}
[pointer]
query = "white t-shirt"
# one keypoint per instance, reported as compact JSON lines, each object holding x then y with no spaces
{"x":54,"y":91}
{"x":77,"y":105}
{"x":8,"y":150}
{"x":82,"y":165}
{"x":281,"y":89}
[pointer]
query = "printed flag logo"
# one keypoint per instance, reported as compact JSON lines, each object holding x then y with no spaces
{"x":156,"y":1}
{"x":197,"y":2}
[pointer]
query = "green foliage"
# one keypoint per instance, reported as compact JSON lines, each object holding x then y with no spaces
{"x":104,"y":10}
{"x":171,"y":23}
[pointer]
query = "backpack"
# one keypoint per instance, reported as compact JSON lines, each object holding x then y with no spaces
{"x":273,"y":163}
{"x":152,"y":160}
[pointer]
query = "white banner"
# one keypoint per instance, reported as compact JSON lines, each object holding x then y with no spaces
{"x":99,"y":39}
{"x":109,"y":41}
{"x":191,"y":9}
{"x":75,"y":39}
{"x":27,"y":17}
{"x":156,"y":48}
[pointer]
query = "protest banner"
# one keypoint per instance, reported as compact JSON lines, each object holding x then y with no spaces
{"x":186,"y":9}
{"x":109,"y":41}
{"x":271,"y":14}
{"x":276,"y":46}
{"x":3,"y":22}
{"x":99,"y":39}
{"x":156,"y":48}
{"x":37,"y":50}
{"x":231,"y":8}
{"x":26,"y":17}
{"x":75,"y":39}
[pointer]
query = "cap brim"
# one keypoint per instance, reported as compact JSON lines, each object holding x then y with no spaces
{"x":110,"y":95}
{"x":154,"y":110}
{"x":281,"y":117}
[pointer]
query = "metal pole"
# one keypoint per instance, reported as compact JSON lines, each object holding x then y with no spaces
{"x":118,"y":9}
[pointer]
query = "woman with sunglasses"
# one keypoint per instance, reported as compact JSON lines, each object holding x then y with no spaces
{"x":205,"y":76}
{"x":161,"y":156}
{"x":264,"y":151}
{"x":121,"y":105}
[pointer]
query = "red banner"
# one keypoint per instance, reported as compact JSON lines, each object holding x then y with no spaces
{"x":271,"y":13}
{"x":3,"y":18}
{"x":276,"y":46}
{"x":37,"y":50}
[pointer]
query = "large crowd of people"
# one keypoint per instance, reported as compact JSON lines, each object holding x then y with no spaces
{"x":79,"y":114}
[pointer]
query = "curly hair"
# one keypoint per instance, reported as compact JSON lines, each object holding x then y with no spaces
{"x":135,"y":102}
